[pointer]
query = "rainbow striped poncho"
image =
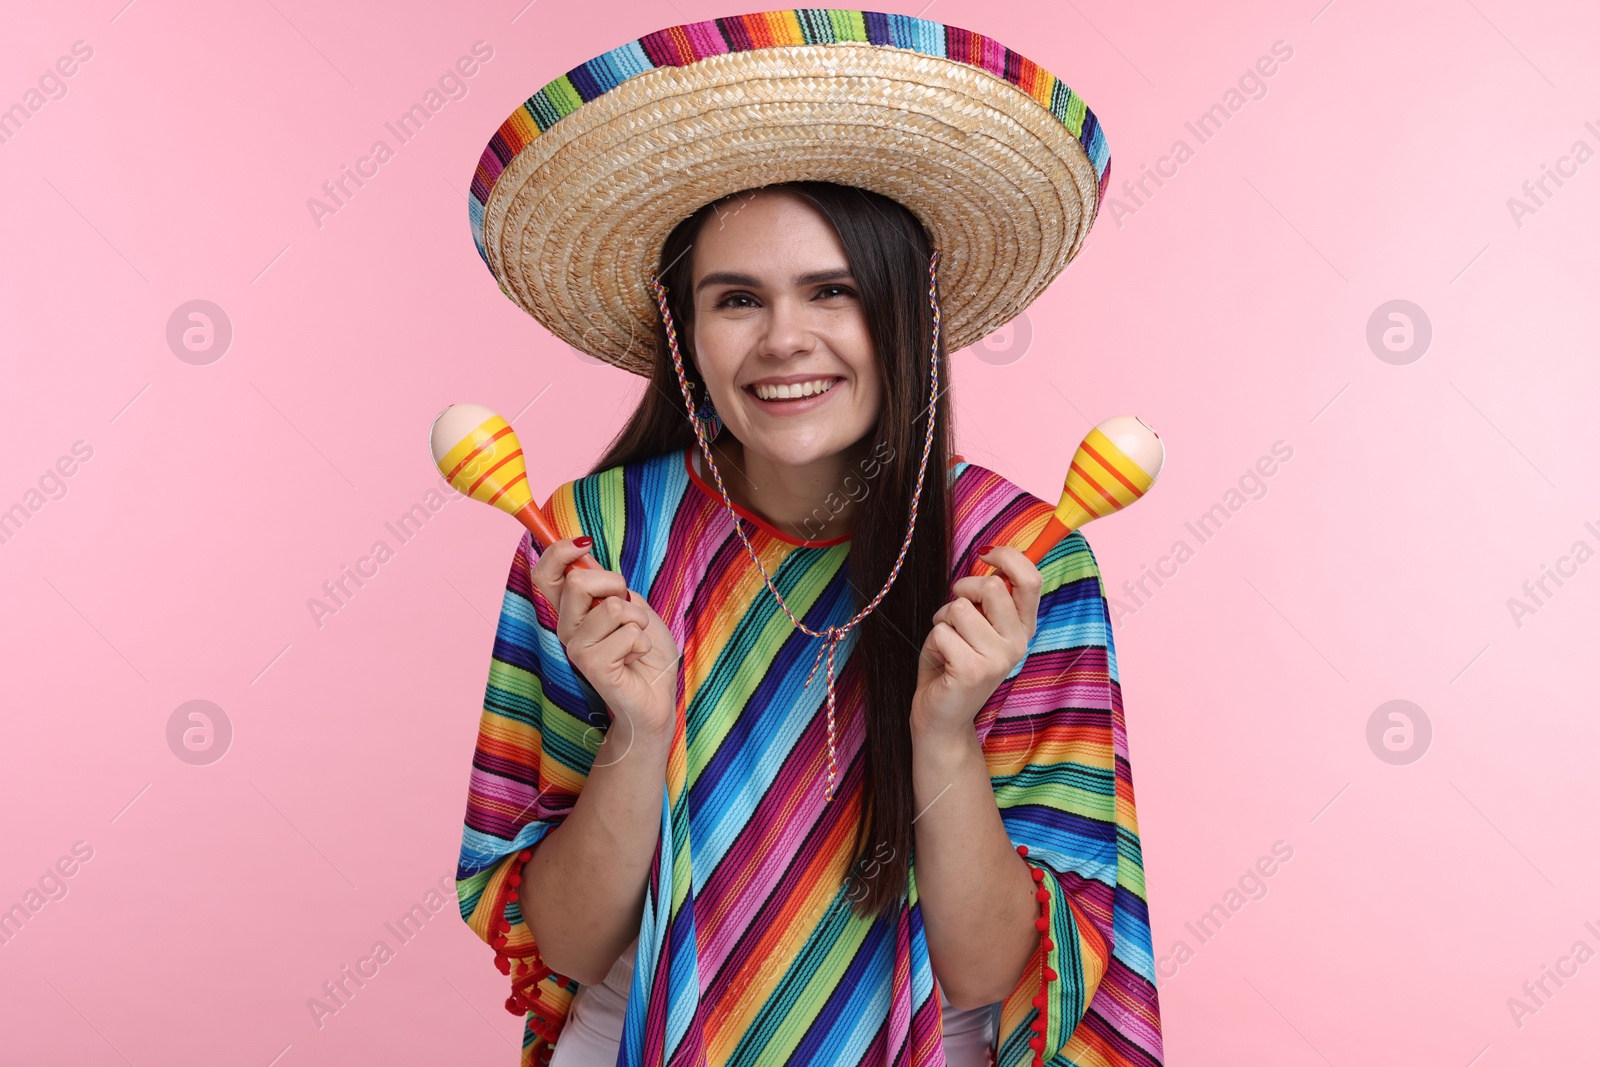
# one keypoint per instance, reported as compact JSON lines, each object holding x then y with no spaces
{"x":748,"y":952}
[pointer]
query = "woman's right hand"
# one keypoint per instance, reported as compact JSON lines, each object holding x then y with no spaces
{"x":612,"y":636}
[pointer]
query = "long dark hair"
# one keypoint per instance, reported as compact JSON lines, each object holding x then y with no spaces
{"x":888,"y":251}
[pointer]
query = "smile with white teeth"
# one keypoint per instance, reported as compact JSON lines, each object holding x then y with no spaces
{"x":795,"y":391}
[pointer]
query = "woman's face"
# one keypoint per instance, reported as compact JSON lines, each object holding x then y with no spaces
{"x":779,"y":332}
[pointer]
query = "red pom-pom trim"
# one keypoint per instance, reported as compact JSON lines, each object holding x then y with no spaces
{"x":1046,"y":973}
{"x":530,"y":968}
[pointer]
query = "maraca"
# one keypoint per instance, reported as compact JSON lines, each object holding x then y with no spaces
{"x":478,"y":453}
{"x":1115,"y":465}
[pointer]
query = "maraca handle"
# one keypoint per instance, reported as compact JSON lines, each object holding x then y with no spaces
{"x":1048,"y":538}
{"x":531,"y":517}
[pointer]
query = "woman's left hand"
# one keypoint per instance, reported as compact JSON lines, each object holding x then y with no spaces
{"x":969,"y":652}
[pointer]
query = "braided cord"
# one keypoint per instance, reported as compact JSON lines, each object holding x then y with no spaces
{"x":833,"y":635}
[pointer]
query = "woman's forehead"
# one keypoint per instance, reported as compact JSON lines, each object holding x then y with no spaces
{"x":773,"y":240}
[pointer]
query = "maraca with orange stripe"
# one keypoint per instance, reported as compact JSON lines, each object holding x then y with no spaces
{"x":1116,"y":464}
{"x":478,"y":453}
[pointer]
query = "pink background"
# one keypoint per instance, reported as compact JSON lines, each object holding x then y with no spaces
{"x":1229,"y":309}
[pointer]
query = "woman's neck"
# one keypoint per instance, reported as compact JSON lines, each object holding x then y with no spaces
{"x":788,"y":496}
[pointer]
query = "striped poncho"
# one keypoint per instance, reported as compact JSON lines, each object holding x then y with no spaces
{"x":748,"y":952}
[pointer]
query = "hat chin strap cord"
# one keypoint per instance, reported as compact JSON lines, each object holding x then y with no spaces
{"x":833,"y":635}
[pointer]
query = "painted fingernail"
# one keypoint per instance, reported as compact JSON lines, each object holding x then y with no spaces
{"x":985,"y":550}
{"x":630,"y":596}
{"x":583,"y":542}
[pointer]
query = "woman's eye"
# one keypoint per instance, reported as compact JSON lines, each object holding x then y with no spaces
{"x":826,"y":292}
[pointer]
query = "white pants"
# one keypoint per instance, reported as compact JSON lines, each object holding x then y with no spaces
{"x":593,"y":1031}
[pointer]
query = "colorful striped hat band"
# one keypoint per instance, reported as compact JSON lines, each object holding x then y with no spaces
{"x":576,"y":192}
{"x":833,"y":634}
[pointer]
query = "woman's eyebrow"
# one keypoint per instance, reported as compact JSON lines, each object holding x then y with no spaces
{"x":727,"y":277}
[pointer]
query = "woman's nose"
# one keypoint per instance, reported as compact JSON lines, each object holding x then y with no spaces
{"x":788,"y":328}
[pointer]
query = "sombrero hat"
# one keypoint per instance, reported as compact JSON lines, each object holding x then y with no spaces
{"x":577,"y":191}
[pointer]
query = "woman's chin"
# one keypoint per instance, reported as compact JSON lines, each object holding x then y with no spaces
{"x":794,"y":449}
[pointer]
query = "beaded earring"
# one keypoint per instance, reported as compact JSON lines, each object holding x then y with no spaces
{"x":706,"y":414}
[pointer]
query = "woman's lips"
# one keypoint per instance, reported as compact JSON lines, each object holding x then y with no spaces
{"x":792,"y":405}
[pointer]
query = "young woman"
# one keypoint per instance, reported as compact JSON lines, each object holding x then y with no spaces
{"x":783,"y":782}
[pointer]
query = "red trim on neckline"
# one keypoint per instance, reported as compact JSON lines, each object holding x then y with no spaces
{"x":716,"y":497}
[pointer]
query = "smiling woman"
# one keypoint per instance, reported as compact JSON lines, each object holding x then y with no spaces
{"x":790,"y":308}
{"x":751,"y":794}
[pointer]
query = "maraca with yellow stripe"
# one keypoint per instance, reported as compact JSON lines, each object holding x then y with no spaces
{"x":1116,"y":464}
{"x":478,"y":453}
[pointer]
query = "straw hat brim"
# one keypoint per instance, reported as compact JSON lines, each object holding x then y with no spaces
{"x":573,"y":223}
